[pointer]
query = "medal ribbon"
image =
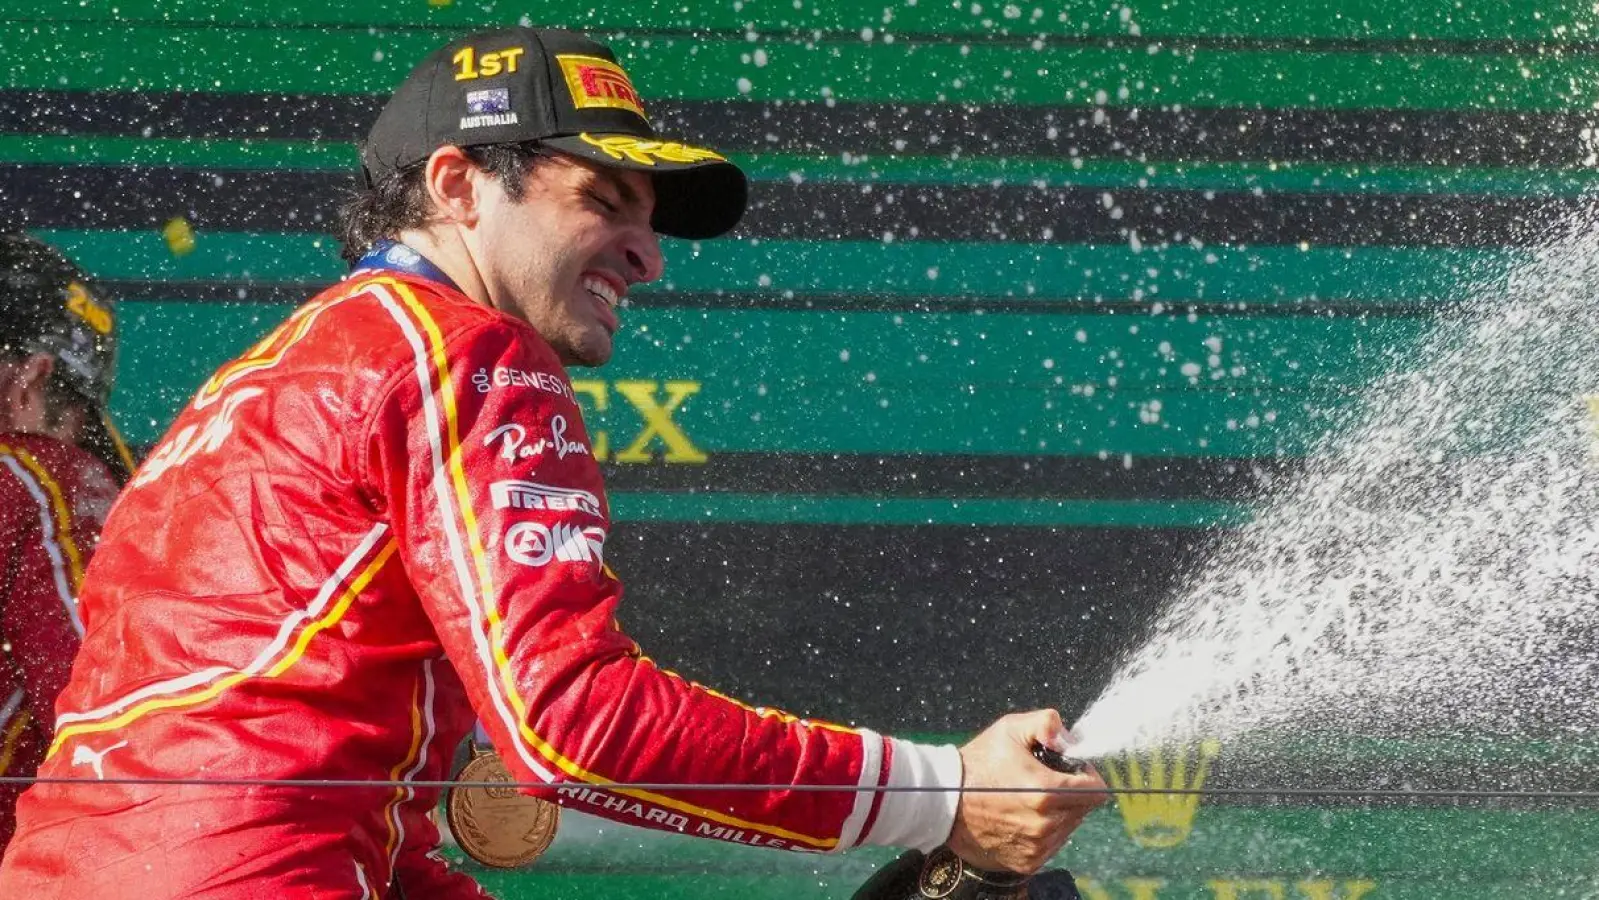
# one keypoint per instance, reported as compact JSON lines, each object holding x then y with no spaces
{"x":397,"y":257}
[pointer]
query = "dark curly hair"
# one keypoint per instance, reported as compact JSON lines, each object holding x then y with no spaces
{"x":400,"y":200}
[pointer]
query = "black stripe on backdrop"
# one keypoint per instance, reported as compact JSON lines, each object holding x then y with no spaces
{"x":957,"y":476}
{"x":1000,"y":34}
{"x":299,"y":292}
{"x":965,"y":476}
{"x":905,"y":628}
{"x":940,"y":628}
{"x":1389,"y":137}
{"x":139,"y":198}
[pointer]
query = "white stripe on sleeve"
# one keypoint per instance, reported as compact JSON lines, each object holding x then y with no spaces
{"x":919,"y":819}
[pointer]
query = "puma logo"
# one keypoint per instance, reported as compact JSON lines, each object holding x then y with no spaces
{"x":82,"y":755}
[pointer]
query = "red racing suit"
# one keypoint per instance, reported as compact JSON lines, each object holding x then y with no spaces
{"x":380,"y":523}
{"x":53,"y":500}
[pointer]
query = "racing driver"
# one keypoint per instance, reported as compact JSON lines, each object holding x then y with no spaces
{"x":61,"y":464}
{"x":385,"y":520}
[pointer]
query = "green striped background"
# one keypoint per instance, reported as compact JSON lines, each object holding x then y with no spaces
{"x":1112,"y":352}
{"x":1021,"y":384}
{"x":1546,"y":22}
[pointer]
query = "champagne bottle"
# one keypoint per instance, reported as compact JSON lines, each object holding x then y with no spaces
{"x":941,"y":875}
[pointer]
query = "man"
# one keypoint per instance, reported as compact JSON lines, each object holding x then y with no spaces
{"x":385,"y":520}
{"x":59,"y":471}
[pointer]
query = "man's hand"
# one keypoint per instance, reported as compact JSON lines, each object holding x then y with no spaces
{"x":1018,"y":832}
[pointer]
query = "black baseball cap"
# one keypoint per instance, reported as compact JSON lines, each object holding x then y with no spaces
{"x":564,"y":91}
{"x":50,"y":306}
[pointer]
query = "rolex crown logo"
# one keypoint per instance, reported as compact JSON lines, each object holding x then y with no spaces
{"x":1159,"y":820}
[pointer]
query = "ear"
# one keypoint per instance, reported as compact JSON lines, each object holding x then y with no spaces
{"x":22,"y":391}
{"x":452,"y":184}
{"x":33,"y":373}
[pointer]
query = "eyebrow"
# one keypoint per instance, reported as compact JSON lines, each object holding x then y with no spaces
{"x":629,"y":196}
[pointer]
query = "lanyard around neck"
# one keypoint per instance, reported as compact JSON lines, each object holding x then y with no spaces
{"x":397,"y":257}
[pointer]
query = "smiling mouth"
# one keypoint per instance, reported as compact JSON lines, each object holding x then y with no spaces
{"x":602,"y":291}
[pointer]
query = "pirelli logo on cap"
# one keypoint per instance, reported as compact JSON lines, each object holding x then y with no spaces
{"x":596,"y":82}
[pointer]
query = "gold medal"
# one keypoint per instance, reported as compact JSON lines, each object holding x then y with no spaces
{"x":499,"y":826}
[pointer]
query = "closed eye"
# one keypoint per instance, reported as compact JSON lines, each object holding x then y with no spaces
{"x":607,"y":205}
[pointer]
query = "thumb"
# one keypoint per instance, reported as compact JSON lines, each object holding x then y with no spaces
{"x":1042,"y":726}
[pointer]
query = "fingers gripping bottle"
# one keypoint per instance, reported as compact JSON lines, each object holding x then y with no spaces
{"x":941,"y":875}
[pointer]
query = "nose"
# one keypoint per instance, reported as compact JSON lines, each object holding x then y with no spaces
{"x":643,"y":254}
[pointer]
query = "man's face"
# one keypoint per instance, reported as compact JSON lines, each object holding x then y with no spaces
{"x":563,"y":256}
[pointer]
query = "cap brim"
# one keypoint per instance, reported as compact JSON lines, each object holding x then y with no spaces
{"x":698,"y":193}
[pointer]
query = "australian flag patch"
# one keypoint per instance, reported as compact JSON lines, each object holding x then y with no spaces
{"x":488,"y":102}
